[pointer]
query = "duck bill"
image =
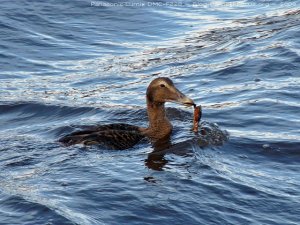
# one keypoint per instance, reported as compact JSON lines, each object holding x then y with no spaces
{"x":182,"y":99}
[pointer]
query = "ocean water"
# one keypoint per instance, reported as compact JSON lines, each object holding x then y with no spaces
{"x":67,"y":64}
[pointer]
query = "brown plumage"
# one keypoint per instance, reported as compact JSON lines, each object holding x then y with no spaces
{"x":123,"y":136}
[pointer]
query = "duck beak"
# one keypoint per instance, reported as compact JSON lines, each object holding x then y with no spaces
{"x":182,"y":99}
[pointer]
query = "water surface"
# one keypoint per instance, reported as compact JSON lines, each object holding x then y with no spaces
{"x":69,"y":64}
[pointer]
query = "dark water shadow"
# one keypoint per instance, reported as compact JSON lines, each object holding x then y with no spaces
{"x":209,"y":135}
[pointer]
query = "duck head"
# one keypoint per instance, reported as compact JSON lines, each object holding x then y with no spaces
{"x":162,"y":90}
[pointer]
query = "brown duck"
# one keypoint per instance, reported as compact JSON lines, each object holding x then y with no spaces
{"x":123,"y":136}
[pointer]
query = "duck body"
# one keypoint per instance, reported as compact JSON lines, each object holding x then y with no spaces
{"x":123,"y":136}
{"x":112,"y":136}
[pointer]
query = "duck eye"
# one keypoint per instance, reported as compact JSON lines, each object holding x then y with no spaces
{"x":162,"y":85}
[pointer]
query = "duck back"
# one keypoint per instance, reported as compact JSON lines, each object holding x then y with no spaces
{"x":112,"y":136}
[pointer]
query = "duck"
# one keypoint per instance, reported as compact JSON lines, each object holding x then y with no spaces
{"x":120,"y":136}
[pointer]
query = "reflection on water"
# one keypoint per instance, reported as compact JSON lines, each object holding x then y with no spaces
{"x":155,"y":159}
{"x":210,"y":135}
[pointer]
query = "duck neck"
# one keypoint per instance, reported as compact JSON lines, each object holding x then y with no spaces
{"x":159,"y":125}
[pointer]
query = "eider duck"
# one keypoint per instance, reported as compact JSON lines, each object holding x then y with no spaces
{"x":124,"y":136}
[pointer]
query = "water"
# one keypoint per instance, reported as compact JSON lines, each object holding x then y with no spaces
{"x":69,"y":64}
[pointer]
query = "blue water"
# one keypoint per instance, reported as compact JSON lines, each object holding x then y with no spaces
{"x":66,"y":64}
